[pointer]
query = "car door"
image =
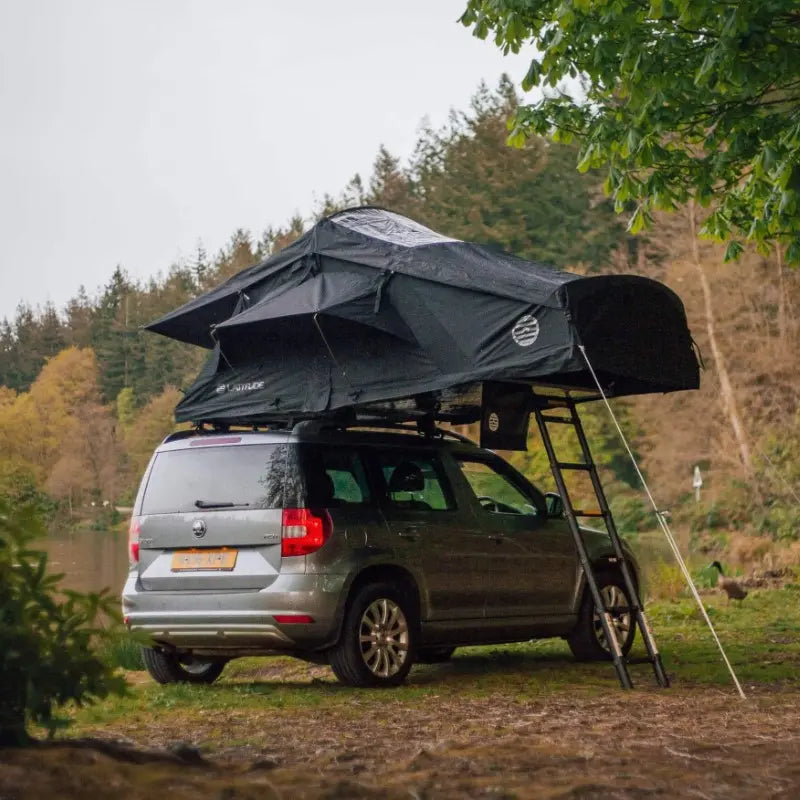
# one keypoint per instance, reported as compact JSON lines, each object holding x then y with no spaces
{"x":533,"y":569}
{"x":431,"y":533}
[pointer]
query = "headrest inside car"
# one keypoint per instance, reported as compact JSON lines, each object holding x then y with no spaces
{"x":407,"y":477}
{"x":320,"y":488}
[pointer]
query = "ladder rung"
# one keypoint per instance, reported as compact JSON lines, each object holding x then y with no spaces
{"x":562,"y":420}
{"x":573,"y":465}
{"x":639,"y":660}
{"x":592,"y":512}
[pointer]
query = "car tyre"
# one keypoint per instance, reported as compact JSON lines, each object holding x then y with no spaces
{"x":377,"y":643}
{"x":165,"y":667}
{"x":587,"y":640}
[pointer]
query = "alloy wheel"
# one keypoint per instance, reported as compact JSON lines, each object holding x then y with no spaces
{"x":616,"y":602}
{"x":383,"y":638}
{"x":196,"y":666}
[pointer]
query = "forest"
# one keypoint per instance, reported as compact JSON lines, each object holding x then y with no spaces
{"x":85,"y":394}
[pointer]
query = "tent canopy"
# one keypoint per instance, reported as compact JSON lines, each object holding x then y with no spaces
{"x":369,"y":308}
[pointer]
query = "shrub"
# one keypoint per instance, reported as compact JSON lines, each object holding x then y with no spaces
{"x":632,"y":514}
{"x":46,"y":634}
{"x":123,"y":650}
{"x":664,"y":581}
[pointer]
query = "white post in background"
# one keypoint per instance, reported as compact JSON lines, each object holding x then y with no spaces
{"x":697,"y":483}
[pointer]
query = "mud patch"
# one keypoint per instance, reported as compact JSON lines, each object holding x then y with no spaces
{"x":702,"y":743}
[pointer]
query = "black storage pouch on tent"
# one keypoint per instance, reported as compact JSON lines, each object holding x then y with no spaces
{"x":505,"y":413}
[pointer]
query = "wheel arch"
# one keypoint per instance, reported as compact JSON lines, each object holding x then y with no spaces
{"x":380,"y":573}
{"x":605,"y":563}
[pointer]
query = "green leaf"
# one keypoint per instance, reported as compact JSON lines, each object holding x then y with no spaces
{"x":793,"y":252}
{"x":733,"y":250}
{"x":516,"y":138}
{"x":532,"y":76}
{"x":637,"y":221}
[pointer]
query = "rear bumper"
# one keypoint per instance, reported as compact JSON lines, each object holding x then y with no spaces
{"x":240,"y":620}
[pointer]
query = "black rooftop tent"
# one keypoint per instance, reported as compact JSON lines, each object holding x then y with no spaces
{"x":371,"y":310}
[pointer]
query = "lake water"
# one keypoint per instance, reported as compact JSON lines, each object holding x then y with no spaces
{"x":90,"y":560}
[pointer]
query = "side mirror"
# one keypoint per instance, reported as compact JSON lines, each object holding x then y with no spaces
{"x":555,"y":505}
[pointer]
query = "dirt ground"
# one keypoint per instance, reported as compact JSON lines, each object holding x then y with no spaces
{"x":675,"y":743}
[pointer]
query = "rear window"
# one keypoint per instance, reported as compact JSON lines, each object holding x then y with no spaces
{"x":248,"y":476}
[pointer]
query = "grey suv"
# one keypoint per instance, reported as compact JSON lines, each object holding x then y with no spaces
{"x":366,"y":550}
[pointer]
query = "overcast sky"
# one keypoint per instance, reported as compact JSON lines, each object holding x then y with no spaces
{"x":130,"y":129}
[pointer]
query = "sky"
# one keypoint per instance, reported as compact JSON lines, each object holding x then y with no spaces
{"x":131,"y":130}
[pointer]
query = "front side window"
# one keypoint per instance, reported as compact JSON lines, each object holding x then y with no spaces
{"x":415,"y":482}
{"x":495,"y":491}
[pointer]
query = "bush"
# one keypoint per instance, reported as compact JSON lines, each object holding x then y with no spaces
{"x":46,"y":634}
{"x":632,"y":514}
{"x":122,"y":650}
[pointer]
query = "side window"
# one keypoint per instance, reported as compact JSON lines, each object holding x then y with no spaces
{"x":334,"y":477}
{"x":495,"y":491}
{"x":415,"y":482}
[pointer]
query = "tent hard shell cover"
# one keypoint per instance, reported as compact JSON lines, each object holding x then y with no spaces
{"x":371,"y":310}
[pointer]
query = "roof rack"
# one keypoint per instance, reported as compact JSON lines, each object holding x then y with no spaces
{"x":212,"y":429}
{"x":422,"y":427}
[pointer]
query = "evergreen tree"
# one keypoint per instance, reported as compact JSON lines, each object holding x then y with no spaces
{"x":389,"y":186}
{"x":236,"y":256}
{"x":79,"y":320}
{"x":200,"y":266}
{"x":112,"y":334}
{"x":52,"y":332}
{"x":469,"y":184}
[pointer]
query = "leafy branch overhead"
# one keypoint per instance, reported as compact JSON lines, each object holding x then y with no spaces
{"x":680,"y":100}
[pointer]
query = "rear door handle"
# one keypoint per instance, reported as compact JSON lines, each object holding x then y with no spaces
{"x":497,"y":537}
{"x":410,"y":532}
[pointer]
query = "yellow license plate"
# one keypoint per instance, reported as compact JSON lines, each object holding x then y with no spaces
{"x":221,"y":560}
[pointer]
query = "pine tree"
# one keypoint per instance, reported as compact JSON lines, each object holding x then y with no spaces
{"x":111,"y":335}
{"x":389,"y":186}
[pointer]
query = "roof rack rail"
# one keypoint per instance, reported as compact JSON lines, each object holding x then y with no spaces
{"x":212,"y":429}
{"x":420,"y":427}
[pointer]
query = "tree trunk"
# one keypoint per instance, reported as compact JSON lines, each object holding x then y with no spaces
{"x":14,"y":684}
{"x":781,"y":297}
{"x":726,"y":389}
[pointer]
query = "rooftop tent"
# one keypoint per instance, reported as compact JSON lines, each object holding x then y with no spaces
{"x":369,"y":309}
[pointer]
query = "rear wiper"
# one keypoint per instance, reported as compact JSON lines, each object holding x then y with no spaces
{"x":217,"y":504}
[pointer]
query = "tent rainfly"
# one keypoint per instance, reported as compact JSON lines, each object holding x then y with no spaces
{"x":370,"y":309}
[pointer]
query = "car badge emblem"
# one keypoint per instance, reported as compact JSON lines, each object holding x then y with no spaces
{"x":199,"y":528}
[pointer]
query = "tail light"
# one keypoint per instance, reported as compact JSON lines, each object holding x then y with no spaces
{"x":304,"y":531}
{"x":133,"y":541}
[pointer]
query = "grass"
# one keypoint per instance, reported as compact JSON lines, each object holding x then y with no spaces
{"x":123,"y":651}
{"x":761,"y":637}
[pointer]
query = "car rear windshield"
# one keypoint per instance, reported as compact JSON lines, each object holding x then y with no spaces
{"x":253,"y":476}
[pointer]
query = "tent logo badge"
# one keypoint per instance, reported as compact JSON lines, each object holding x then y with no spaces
{"x":239,"y":387}
{"x":526,"y":331}
{"x":494,"y":422}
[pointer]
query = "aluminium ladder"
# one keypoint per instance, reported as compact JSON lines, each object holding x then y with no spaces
{"x":545,"y":403}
